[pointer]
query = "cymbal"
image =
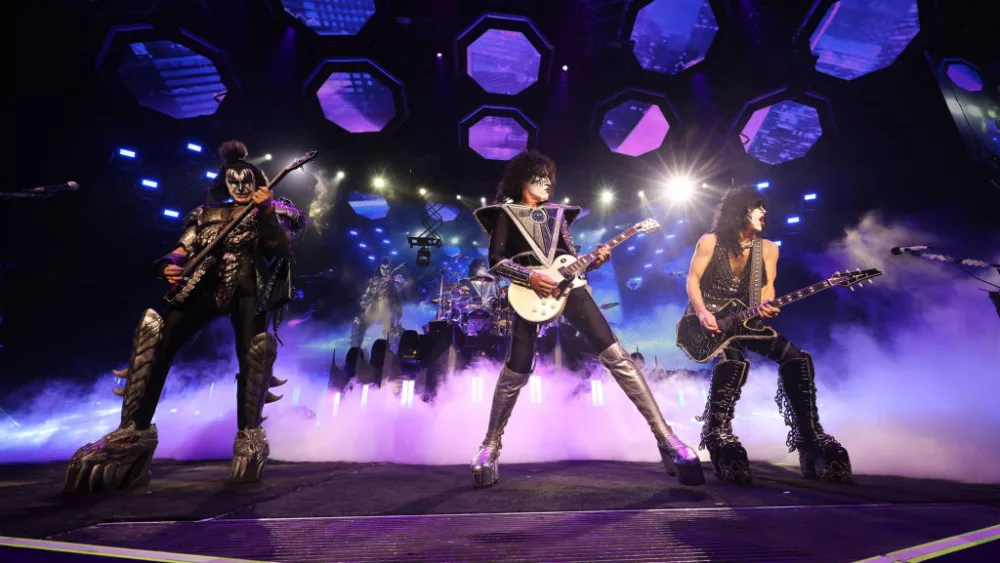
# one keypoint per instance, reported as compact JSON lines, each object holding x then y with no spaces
{"x":482,"y":279}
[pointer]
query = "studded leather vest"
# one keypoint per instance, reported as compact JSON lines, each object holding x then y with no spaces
{"x":719,"y":285}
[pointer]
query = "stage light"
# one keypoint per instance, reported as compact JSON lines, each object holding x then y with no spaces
{"x":565,"y":68}
{"x":458,"y":197}
{"x":763,"y":185}
{"x":378,"y":182}
{"x":680,"y":189}
{"x":267,"y":156}
{"x":150,"y":183}
{"x":642,"y":193}
{"x":482,"y":200}
{"x":440,"y":56}
{"x":777,"y":243}
{"x":670,"y":236}
{"x":171,"y":213}
{"x":659,"y":251}
{"x":340,"y":174}
{"x":565,"y":200}
{"x":422,"y":191}
{"x":385,"y":241}
{"x":394,"y":253}
{"x":607,"y":196}
{"x":631,"y":248}
{"x":475,"y":243}
{"x":362,"y":245}
{"x":378,"y":229}
{"x":127,"y":153}
{"x":680,"y":221}
{"x":371,"y":258}
{"x":193,"y":147}
{"x":423,"y":257}
{"x":211,"y":175}
{"x":648,"y":266}
{"x":809,"y":197}
{"x":455,"y":240}
{"x":352,"y":232}
{"x":793,"y":220}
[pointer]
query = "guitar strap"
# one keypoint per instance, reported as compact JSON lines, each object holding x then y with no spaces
{"x":756,"y":271}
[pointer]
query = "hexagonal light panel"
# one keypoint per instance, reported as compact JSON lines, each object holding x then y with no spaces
{"x":965,"y":77}
{"x":781,"y":132}
{"x":857,"y":37}
{"x":634,"y":128}
{"x":357,"y":95}
{"x":673,"y":35}
{"x":369,"y":206}
{"x":331,"y":17}
{"x":498,"y":138}
{"x":170,"y":78}
{"x":503,"y":61}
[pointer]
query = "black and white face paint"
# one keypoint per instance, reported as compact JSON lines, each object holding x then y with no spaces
{"x":540,"y":188}
{"x":241,"y":184}
{"x":757,"y":218}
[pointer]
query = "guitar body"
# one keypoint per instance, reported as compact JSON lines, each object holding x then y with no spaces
{"x":701,"y":346}
{"x":536,"y":309}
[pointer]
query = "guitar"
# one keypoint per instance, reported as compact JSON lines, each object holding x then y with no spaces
{"x":738,"y":322}
{"x":565,"y":271}
{"x":192,"y":264}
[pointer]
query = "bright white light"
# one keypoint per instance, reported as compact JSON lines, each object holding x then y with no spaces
{"x":211,"y":175}
{"x":777,"y":243}
{"x":680,"y":189}
{"x":171,"y":213}
{"x":596,"y":392}
{"x":193,"y":147}
{"x":150,"y":183}
{"x":378,"y":182}
{"x":422,"y":191}
{"x":809,"y":197}
{"x":340,"y":174}
{"x":440,"y":55}
{"x":793,"y":220}
{"x":607,"y":196}
{"x":565,"y":68}
{"x":126,"y":153}
{"x":763,"y":185}
{"x":477,"y":389}
{"x":642,"y":193}
{"x":455,"y":240}
{"x":458,"y":197}
{"x":565,"y":200}
{"x":535,"y":389}
{"x":336,"y":403}
{"x":482,"y":200}
{"x":364,"y":394}
{"x":267,"y":156}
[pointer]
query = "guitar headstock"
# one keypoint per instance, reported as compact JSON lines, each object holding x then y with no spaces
{"x":852,"y":278}
{"x":647,"y":226}
{"x":301,"y":161}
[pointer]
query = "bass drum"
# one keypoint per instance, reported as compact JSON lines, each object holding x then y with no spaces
{"x":477,"y":322}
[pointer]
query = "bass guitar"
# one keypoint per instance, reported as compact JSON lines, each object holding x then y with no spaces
{"x":191,"y":266}
{"x":736,"y":321}
{"x":565,"y":271}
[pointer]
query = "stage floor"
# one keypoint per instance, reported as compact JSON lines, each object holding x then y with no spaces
{"x":567,"y":511}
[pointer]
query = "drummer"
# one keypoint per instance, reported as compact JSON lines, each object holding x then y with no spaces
{"x":480,"y":284}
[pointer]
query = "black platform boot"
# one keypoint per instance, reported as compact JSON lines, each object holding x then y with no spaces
{"x":729,"y":458}
{"x":820,"y":455}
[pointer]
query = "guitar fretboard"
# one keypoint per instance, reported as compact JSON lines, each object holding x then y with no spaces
{"x":584,"y":261}
{"x":792,"y":297}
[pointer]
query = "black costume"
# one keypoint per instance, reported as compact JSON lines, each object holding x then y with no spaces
{"x":382,"y":301}
{"x":820,"y":455}
{"x":523,"y":236}
{"x":248,"y":278}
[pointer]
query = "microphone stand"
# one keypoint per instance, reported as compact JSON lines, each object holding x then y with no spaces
{"x":993,"y":295}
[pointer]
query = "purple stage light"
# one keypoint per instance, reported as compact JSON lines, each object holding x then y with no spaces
{"x":440,"y":56}
{"x":503,"y":61}
{"x":857,"y":37}
{"x":673,"y":35}
{"x":170,"y":78}
{"x":634,"y":128}
{"x":965,"y":77}
{"x":565,"y":68}
{"x":356,"y":101}
{"x":331,"y":17}
{"x":498,"y":138}
{"x":781,"y":132}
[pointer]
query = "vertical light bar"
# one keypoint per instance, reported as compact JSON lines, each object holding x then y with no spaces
{"x":477,"y":389}
{"x":364,"y":394}
{"x":596,"y":392}
{"x":406,"y":394}
{"x":336,"y":403}
{"x":680,"y":397}
{"x":535,"y":385}
{"x":295,"y":396}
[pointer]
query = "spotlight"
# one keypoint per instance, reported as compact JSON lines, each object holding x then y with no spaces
{"x":482,"y":200}
{"x":607,"y":196}
{"x":127,"y":153}
{"x":680,"y":189}
{"x":777,"y":243}
{"x":378,"y":182}
{"x":440,"y":56}
{"x":809,"y":197}
{"x":211,"y":175}
{"x":793,"y":220}
{"x":763,"y":185}
{"x":565,"y":68}
{"x":171,"y":213}
{"x":423,"y":257}
{"x":193,"y":147}
{"x":422,"y":191}
{"x":642,"y":193}
{"x":267,"y":156}
{"x":340,"y":174}
{"x":150,"y":183}
{"x":565,"y":200}
{"x":458,"y":197}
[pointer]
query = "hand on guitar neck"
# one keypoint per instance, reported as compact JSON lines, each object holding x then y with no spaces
{"x":545,"y":286}
{"x":172,"y":272}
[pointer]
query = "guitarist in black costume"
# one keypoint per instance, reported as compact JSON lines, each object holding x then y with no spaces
{"x":733,"y":262}
{"x":246,"y":278}
{"x":524,"y":231}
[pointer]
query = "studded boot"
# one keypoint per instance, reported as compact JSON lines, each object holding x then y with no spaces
{"x":250,"y":449}
{"x":729,"y":458}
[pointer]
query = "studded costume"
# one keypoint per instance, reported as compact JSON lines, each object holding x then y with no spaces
{"x":820,"y":455}
{"x":523,"y":236}
{"x":248,"y":278}
{"x":381,"y":302}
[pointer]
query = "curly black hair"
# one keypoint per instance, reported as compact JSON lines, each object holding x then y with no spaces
{"x":233,"y":155}
{"x":521,"y":170}
{"x":731,"y":216}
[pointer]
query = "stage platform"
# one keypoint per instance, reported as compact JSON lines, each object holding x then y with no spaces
{"x":580,"y":511}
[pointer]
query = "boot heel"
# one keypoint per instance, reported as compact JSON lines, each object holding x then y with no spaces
{"x":487,"y":476}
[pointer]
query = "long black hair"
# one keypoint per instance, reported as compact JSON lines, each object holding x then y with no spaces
{"x":521,"y":170}
{"x":233,"y":155}
{"x":731,"y":216}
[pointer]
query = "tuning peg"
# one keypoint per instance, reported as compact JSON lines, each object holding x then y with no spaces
{"x":871,"y":282}
{"x":852,"y":288}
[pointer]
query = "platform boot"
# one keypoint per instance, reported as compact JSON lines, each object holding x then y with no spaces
{"x":121,"y":459}
{"x":250,"y":449}
{"x":486,"y":466}
{"x":678,"y":459}
{"x":820,"y":455}
{"x":729,"y":458}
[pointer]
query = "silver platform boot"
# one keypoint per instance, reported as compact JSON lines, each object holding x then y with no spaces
{"x":121,"y":459}
{"x":485,"y":466}
{"x":678,"y":459}
{"x":250,"y":449}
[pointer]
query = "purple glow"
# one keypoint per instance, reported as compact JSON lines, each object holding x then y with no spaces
{"x":781,"y":132}
{"x":965,"y":77}
{"x":673,"y":35}
{"x":634,"y":128}
{"x":498,"y":138}
{"x":357,"y":102}
{"x":171,"y":78}
{"x":857,"y":37}
{"x":331,"y":17}
{"x":503,"y":62}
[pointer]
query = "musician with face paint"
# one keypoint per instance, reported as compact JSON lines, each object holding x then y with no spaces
{"x":525,"y":230}
{"x":381,"y":302}
{"x":732,"y":261}
{"x":248,"y":279}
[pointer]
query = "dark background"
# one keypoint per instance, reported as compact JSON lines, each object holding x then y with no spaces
{"x":76,"y":266}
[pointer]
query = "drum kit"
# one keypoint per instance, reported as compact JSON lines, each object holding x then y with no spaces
{"x":477,"y":304}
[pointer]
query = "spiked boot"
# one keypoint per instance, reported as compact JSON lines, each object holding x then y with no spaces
{"x":729,"y":458}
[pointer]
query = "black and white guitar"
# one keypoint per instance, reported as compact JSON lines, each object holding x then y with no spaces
{"x":736,"y":321}
{"x":565,"y":271}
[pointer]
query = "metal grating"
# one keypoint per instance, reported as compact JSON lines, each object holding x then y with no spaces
{"x":818,"y":534}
